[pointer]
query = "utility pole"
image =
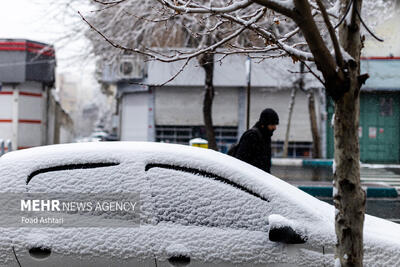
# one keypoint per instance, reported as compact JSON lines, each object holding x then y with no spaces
{"x":248,"y":76}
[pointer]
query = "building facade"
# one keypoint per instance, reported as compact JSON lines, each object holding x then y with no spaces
{"x":173,"y":112}
{"x":28,"y":111}
{"x":380,"y":96}
{"x":379,"y":129}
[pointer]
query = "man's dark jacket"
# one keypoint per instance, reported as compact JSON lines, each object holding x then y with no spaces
{"x":255,"y":144}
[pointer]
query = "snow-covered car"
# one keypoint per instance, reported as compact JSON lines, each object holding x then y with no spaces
{"x":197,"y":208}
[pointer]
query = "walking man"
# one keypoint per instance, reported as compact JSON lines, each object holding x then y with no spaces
{"x":254,"y":146}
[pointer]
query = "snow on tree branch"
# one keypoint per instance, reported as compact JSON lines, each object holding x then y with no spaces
{"x":271,"y":39}
{"x":178,"y":55}
{"x":189,"y":28}
{"x":285,"y":7}
{"x":332,"y":34}
{"x":185,"y":7}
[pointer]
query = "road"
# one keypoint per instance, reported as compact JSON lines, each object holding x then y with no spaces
{"x":387,"y":208}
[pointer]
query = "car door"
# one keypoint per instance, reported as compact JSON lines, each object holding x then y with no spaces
{"x":94,"y":245}
{"x":206,"y":220}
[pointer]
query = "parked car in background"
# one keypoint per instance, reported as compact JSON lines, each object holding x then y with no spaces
{"x":198,"y":207}
{"x":98,"y":136}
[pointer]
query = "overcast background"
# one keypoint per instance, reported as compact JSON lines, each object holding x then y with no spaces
{"x":46,"y":21}
{"x":57,"y":22}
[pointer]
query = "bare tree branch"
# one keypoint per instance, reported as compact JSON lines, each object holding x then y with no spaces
{"x":290,"y":50}
{"x":345,"y":13}
{"x":108,"y":3}
{"x":313,"y":73}
{"x":180,"y":56}
{"x":227,"y":9}
{"x":175,"y":75}
{"x":323,"y":58}
{"x":111,"y":42}
{"x":166,"y":58}
{"x":285,"y":7}
{"x":332,"y":34}
{"x":315,"y":7}
{"x":366,"y":27}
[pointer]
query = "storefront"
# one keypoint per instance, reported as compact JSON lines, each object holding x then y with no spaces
{"x":379,"y":129}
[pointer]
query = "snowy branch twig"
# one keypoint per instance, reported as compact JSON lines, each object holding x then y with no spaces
{"x":227,"y":9}
{"x":179,"y":56}
{"x":290,"y":50}
{"x":332,"y":34}
{"x":176,"y":74}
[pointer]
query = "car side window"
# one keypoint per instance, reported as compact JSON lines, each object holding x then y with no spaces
{"x":94,"y":178}
{"x":183,"y":197}
{"x":76,"y":178}
{"x":65,"y":167}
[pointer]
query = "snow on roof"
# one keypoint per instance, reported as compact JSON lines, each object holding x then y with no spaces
{"x":315,"y":217}
{"x":384,"y":74}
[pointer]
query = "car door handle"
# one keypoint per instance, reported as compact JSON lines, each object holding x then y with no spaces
{"x":180,"y":260}
{"x":40,"y":253}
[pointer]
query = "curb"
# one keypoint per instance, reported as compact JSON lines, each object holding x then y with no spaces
{"x":324,"y":163}
{"x":302,"y":162}
{"x":372,"y":192}
{"x":318,"y":163}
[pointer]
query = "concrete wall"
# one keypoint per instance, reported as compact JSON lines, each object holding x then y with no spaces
{"x":6,"y":112}
{"x":30,"y":113}
{"x":21,"y":114}
{"x":59,"y":124}
{"x":29,"y":119}
{"x":66,"y":135}
{"x":230,"y":72}
{"x":279,"y":101}
{"x":184,"y":106}
{"x":180,"y":102}
{"x":384,"y":74}
{"x":51,"y":121}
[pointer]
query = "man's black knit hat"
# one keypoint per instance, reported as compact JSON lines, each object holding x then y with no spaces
{"x":269,"y":117}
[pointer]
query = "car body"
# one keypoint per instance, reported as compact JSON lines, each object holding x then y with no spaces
{"x":198,"y":207}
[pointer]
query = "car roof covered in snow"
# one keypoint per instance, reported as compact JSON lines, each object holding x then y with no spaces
{"x":25,"y":162}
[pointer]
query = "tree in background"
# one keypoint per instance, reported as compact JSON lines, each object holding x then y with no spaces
{"x":299,"y":84}
{"x":326,"y":33}
{"x":151,"y":28}
{"x":88,"y":107}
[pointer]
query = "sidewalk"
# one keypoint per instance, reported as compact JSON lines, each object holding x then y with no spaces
{"x":325,"y":163}
{"x":378,"y":180}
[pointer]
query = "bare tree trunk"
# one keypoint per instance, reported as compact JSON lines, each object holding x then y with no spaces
{"x":291,"y":105}
{"x":312,"y":114}
{"x":314,"y":126}
{"x":207,"y":62}
{"x":349,"y":197}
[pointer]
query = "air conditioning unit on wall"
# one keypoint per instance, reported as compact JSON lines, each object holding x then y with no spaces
{"x":130,"y":67}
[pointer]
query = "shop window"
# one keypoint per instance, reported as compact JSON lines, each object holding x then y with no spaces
{"x":224,"y":135}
